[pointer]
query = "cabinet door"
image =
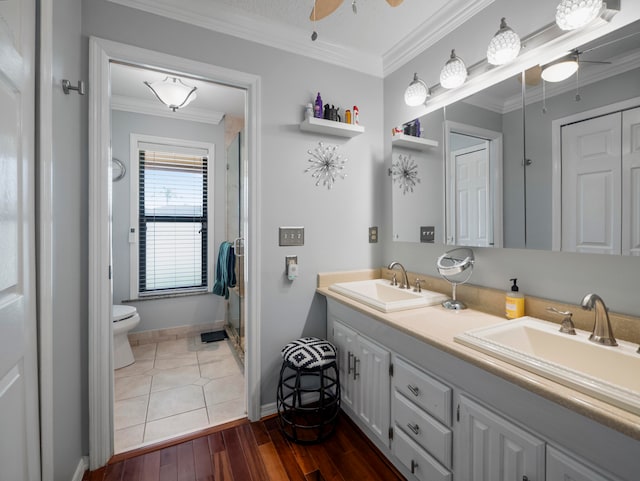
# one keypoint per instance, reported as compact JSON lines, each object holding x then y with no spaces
{"x":564,"y":468}
{"x":373,"y":396}
{"x":345,"y":341}
{"x":493,"y":449}
{"x":631,"y":182}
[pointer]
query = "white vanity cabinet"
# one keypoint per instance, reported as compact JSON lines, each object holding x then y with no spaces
{"x":562,"y":467}
{"x":490,"y":448}
{"x":364,"y":378}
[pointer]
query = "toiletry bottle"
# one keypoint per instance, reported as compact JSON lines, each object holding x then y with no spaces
{"x":356,"y":112}
{"x":308,"y":112}
{"x":514,"y":305}
{"x":347,"y":116}
{"x":317,"y":108}
{"x":417,"y":124}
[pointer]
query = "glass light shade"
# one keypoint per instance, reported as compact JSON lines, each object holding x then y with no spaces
{"x":572,"y":14}
{"x":417,"y":92}
{"x":172,"y":92}
{"x":454,"y":72}
{"x":504,"y":46}
{"x":559,"y":71}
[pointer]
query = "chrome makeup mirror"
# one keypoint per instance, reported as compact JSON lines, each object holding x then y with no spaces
{"x":451,"y":265}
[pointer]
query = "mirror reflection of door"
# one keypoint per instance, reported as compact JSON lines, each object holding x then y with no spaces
{"x":601,"y":159}
{"x":474,"y":186}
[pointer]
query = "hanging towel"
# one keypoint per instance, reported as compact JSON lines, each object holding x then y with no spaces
{"x":225,"y":270}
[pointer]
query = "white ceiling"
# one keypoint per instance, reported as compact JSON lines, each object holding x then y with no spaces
{"x":378,"y":40}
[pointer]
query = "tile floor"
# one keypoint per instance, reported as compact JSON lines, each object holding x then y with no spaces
{"x":175,"y":387}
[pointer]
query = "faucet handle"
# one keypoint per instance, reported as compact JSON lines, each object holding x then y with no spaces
{"x":567,"y":326}
{"x":394,"y":280}
{"x":418,"y":287}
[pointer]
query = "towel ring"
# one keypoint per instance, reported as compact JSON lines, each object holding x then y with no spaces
{"x":118,"y":170}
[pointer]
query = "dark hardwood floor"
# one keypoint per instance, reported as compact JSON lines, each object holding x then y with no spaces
{"x":244,"y":451}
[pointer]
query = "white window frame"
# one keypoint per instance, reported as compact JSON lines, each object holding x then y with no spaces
{"x":173,"y":144}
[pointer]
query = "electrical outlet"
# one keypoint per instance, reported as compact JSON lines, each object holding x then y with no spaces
{"x":291,"y":236}
{"x":427,"y":234}
{"x":373,"y":235}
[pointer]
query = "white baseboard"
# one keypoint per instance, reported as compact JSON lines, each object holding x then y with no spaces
{"x":268,"y":409}
{"x":83,"y":465}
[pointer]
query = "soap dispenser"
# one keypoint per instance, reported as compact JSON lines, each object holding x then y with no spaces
{"x":514,"y":305}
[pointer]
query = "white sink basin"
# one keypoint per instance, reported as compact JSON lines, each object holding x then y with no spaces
{"x":608,"y":373}
{"x":379,"y":294}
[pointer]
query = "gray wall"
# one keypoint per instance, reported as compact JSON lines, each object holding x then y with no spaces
{"x":336,"y":221}
{"x":70,"y":245}
{"x":164,"y":313}
{"x":561,"y":276}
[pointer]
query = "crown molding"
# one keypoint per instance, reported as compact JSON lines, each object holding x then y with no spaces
{"x":152,"y":107}
{"x":443,"y":22}
{"x":222,"y":19}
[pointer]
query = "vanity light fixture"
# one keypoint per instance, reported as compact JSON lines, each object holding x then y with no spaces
{"x":560,"y":69}
{"x":172,"y":92}
{"x":454,"y":72}
{"x":417,"y":92}
{"x":504,"y":46}
{"x":572,"y":14}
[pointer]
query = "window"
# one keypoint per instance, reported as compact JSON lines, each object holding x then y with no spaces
{"x":172,"y":207}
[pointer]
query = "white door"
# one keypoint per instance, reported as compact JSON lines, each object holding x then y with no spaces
{"x":474,"y":218}
{"x":631,"y":182}
{"x":591,"y":185}
{"x":373,"y":399}
{"x":19,"y":432}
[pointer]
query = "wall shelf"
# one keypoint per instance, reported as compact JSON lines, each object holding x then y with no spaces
{"x":331,"y":127}
{"x":411,"y":142}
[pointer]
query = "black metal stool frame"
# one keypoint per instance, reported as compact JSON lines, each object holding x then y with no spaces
{"x":291,"y":410}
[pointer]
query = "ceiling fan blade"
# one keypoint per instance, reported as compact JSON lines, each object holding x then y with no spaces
{"x":324,"y":8}
{"x":394,"y":3}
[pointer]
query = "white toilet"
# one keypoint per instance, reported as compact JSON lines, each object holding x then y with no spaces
{"x":125,"y":318}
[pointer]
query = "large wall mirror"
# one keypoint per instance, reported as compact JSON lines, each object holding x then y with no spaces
{"x":565,"y":175}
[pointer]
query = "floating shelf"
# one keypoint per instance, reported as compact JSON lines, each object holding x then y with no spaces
{"x":411,"y":142}
{"x":331,"y":127}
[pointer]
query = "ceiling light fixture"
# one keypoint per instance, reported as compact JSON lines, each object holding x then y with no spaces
{"x":172,"y":92}
{"x":504,"y":46}
{"x":417,"y":92}
{"x":560,"y":70}
{"x":572,"y":14}
{"x":454,"y":72}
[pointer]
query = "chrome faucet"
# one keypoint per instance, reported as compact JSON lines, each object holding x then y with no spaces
{"x":405,"y":277}
{"x":602,"y":332}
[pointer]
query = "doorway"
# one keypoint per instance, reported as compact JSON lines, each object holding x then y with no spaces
{"x":101,"y":393}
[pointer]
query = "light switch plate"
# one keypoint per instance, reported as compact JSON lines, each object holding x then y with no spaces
{"x":427,"y":234}
{"x":373,"y":235}
{"x":291,"y":236}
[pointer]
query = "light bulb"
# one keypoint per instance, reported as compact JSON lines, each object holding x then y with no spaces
{"x":417,"y":92}
{"x":454,"y":72}
{"x":504,"y":46}
{"x":557,"y":72}
{"x":572,"y":14}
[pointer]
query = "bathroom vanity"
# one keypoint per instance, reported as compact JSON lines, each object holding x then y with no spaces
{"x":440,"y":410}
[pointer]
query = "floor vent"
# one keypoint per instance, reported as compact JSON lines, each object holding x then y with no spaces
{"x":213,"y":336}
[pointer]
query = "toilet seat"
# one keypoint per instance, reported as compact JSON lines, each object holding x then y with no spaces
{"x":120,"y":312}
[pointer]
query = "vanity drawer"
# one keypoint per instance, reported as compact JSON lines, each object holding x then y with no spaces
{"x":422,"y":428}
{"x":417,"y":460}
{"x":428,"y":393}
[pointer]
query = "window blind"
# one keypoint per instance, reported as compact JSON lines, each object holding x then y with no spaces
{"x":172,"y":220}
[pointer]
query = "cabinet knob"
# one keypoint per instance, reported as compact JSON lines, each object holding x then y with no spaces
{"x":415,"y":390}
{"x":525,"y":478}
{"x":414,"y":428}
{"x":414,"y":465}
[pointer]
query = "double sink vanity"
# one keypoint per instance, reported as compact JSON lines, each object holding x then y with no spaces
{"x":467,"y":395}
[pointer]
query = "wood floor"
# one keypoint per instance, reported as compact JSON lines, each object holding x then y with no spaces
{"x":244,"y":451}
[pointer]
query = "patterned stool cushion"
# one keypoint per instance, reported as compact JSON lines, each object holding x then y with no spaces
{"x":309,"y":352}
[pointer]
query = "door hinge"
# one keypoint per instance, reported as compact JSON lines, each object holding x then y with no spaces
{"x":390,"y":433}
{"x":458,"y":413}
{"x":109,"y":272}
{"x":391,"y":370}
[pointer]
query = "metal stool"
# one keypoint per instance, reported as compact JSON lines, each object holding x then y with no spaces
{"x":308,"y":390}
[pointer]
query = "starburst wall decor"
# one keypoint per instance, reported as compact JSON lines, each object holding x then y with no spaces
{"x":405,"y":173}
{"x":326,"y":164}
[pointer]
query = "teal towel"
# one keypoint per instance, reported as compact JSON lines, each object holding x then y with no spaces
{"x":225,"y":270}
